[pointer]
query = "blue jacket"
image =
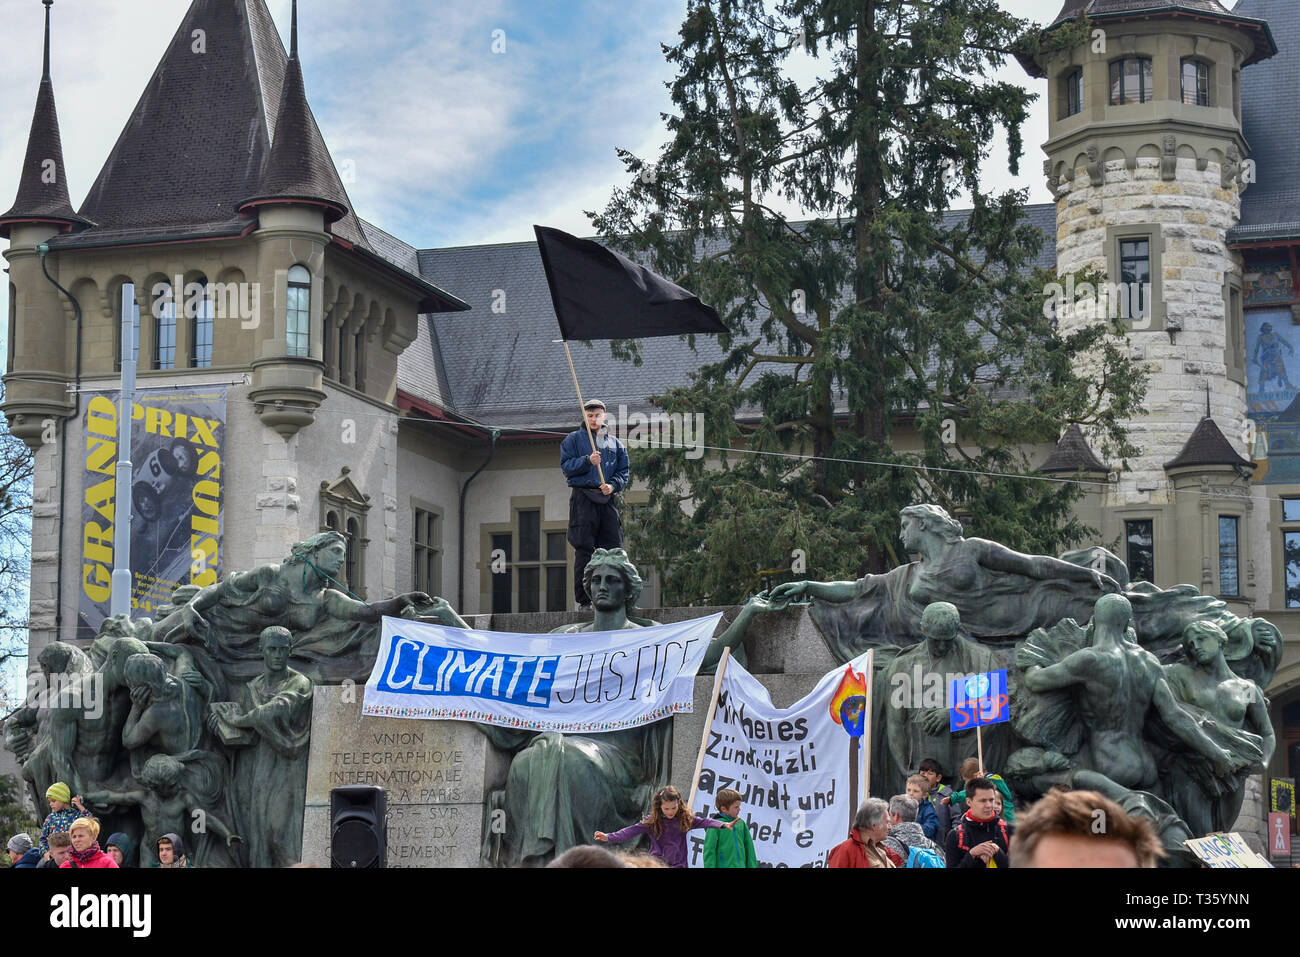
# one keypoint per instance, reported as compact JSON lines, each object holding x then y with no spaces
{"x":928,"y":818}
{"x":30,"y":859}
{"x":579,"y":471}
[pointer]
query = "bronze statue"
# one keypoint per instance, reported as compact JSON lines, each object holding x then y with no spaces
{"x":1117,"y":685}
{"x":335,"y":637}
{"x":1234,"y":711}
{"x":912,"y":700}
{"x":1002,"y":595}
{"x":270,"y":726}
{"x":562,"y":787}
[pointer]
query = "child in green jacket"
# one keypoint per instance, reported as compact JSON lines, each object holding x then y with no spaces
{"x":970,"y":768}
{"x":729,"y":848}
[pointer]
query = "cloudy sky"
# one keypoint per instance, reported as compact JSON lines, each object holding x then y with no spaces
{"x":450,"y":142}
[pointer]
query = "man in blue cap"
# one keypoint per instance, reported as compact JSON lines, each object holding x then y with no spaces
{"x":593,"y":511}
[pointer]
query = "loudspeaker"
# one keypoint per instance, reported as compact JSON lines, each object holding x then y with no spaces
{"x":358,"y":826}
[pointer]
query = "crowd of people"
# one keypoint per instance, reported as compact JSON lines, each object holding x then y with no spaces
{"x":69,"y":837}
{"x":928,"y":826}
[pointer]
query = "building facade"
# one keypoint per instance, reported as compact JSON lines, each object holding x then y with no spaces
{"x":414,"y":399}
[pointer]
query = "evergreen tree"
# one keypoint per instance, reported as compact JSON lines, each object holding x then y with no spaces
{"x":14,"y":818}
{"x":886,"y":314}
{"x":17,"y":467}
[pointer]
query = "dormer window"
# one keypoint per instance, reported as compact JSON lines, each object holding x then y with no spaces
{"x":1072,"y":93}
{"x":1131,"y":81}
{"x":1196,"y":83}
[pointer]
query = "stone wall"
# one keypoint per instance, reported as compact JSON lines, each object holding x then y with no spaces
{"x":438,"y":775}
{"x":1189,"y":217}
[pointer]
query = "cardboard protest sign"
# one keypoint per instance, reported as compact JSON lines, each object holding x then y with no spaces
{"x":1225,"y":851}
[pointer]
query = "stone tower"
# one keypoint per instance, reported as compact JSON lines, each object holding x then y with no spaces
{"x":40,"y":370}
{"x":1147,"y":162}
{"x":254,"y":279}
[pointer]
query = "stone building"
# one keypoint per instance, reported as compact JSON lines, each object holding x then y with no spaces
{"x":414,"y":399}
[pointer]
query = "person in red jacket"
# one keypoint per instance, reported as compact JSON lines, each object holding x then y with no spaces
{"x":864,"y":847}
{"x":85,"y":845}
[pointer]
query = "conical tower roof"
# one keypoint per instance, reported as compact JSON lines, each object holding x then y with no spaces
{"x":1207,"y":446}
{"x":43,"y":185}
{"x":1072,"y":454}
{"x":300,"y":168}
{"x":199,"y":141}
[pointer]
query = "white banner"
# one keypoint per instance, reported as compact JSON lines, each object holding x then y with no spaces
{"x":791,"y":767}
{"x":589,"y":683}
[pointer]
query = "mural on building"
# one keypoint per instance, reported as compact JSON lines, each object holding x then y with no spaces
{"x":1273,"y":374}
{"x":177,"y":447}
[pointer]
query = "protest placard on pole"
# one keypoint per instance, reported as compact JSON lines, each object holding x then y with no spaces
{"x":791,"y":766}
{"x":708,"y":723}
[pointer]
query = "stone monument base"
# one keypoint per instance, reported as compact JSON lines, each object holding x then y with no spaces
{"x":437,"y":775}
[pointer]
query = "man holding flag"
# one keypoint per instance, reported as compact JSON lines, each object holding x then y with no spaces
{"x":597,"y":467}
{"x":600,"y":294}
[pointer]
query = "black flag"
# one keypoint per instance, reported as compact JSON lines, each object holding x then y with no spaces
{"x":599,"y":294}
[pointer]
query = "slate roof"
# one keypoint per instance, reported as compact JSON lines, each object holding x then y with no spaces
{"x":38,"y":200}
{"x":1196,"y":9}
{"x":1072,"y":454}
{"x":1207,"y":446}
{"x":1073,"y":8}
{"x":1270,"y":207}
{"x":216,"y":112}
{"x":164,"y":170}
{"x":216,"y":128}
{"x":505,"y":369}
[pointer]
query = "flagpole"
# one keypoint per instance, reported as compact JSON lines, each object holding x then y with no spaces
{"x":866,"y":732}
{"x":708,"y":725}
{"x":979,"y":744}
{"x":578,"y":389}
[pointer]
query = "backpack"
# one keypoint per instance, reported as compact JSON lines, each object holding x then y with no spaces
{"x":961,"y":835}
{"x":924,"y":857}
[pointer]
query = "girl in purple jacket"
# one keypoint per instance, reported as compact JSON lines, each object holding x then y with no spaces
{"x":667,"y":826}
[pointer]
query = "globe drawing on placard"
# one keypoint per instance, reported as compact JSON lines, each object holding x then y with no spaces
{"x":977,"y":686}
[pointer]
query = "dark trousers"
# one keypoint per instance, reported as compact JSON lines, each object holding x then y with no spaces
{"x":592,"y":525}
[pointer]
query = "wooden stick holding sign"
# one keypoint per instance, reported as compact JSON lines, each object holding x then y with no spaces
{"x":590,"y":435}
{"x":866,"y":730}
{"x":708,"y":725}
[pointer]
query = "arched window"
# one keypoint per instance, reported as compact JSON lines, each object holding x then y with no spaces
{"x":135,"y":331}
{"x":199,"y":309}
{"x":299,"y":315}
{"x":164,"y":327}
{"x":1072,"y":93}
{"x":1196,"y":82}
{"x":1131,"y":81}
{"x":332,"y":521}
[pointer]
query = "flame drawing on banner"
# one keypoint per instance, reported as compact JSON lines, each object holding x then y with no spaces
{"x":848,"y":704}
